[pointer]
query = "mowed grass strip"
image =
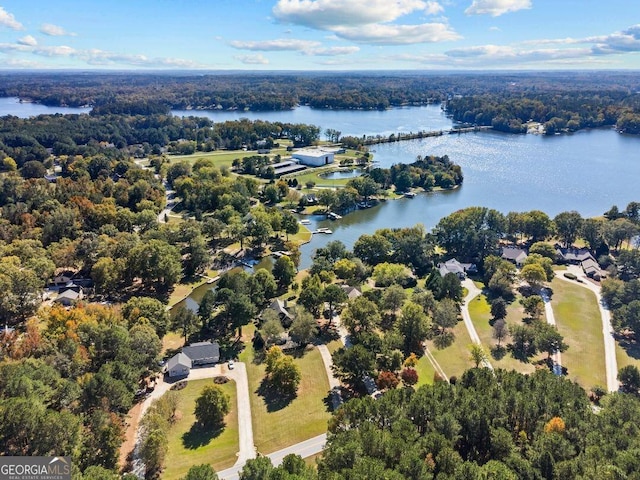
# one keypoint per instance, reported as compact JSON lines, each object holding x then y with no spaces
{"x":189,"y":447}
{"x":304,"y":417}
{"x":454,"y":359}
{"x":425,"y":371}
{"x":578,"y":318}
{"x":480,"y":313}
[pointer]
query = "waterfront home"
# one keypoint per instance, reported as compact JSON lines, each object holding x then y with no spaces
{"x":457,"y":268}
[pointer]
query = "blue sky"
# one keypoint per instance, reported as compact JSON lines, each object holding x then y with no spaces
{"x":320,"y":34}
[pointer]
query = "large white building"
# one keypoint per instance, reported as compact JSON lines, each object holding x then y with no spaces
{"x":314,"y":157}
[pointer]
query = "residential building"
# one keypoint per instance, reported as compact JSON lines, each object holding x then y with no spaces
{"x":514,"y":254}
{"x":457,"y":268}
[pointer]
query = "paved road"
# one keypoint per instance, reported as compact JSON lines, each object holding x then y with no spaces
{"x":473,"y":292}
{"x":551,"y":320}
{"x":305,"y":449}
{"x":170,"y":202}
{"x":611,"y":363}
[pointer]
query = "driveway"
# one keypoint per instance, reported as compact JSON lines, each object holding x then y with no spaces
{"x":611,"y":363}
{"x":551,"y":320}
{"x":473,"y":292}
{"x":247,"y":449}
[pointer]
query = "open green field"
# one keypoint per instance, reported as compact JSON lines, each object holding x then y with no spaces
{"x":188,"y":446}
{"x":480,"y":312}
{"x":454,"y":359}
{"x":578,"y":319}
{"x":276,"y":426}
{"x":425,"y":371}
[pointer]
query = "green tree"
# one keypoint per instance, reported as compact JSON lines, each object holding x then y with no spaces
{"x":361,"y":315}
{"x":568,"y":225}
{"x":372,"y":249}
{"x":393,"y":298}
{"x":284,"y":271}
{"x":629,"y":377}
{"x":445,"y":315}
{"x":240,"y":310}
{"x":153,"y":451}
{"x":211,"y":406}
{"x":185,"y":321}
{"x":290,"y":224}
{"x":201,"y":472}
{"x":533,"y":306}
{"x":351,"y":365}
{"x":272,"y":330}
{"x":414,"y":327}
{"x":477,"y":354}
{"x":498,"y":308}
{"x":156,"y":263}
{"x":335,"y":296}
{"x":534,"y":275}
{"x":257,"y":469}
{"x":285,"y":376}
{"x":207,"y":307}
{"x":304,"y":327}
{"x":548,"y":339}
{"x":152,"y":310}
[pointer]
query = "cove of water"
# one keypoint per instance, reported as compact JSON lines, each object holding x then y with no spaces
{"x":12,"y":106}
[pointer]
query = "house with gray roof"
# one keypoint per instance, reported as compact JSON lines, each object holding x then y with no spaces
{"x":457,"y":268}
{"x":280,"y":307}
{"x":179,"y":366}
{"x":514,"y":254}
{"x":352,"y":292}
{"x":69,"y":296}
{"x":202,"y":353}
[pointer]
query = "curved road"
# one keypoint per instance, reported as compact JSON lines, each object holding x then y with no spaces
{"x":611,"y":363}
{"x":473,"y":292}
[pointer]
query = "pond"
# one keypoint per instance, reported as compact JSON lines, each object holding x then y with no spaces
{"x":346,"y":173}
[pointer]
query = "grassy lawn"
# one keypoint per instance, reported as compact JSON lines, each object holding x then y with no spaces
{"x":275,"y":426}
{"x":303,"y":236}
{"x":454,"y":359}
{"x":627,"y":354}
{"x":425,"y":371}
{"x":578,"y":319}
{"x":480,"y":312}
{"x":172,"y":341}
{"x":187,"y":448}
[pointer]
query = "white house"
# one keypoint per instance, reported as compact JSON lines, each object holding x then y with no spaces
{"x":314,"y":157}
{"x":179,"y":365}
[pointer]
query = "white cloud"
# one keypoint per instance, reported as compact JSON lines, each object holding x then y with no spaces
{"x":252,"y":59}
{"x":494,"y":29}
{"x":281,"y":44}
{"x":55,"y":51}
{"x":14,"y":47}
{"x":620,"y":42}
{"x":332,"y":51}
{"x":8,"y":20}
{"x":367,"y":21}
{"x":325,"y":14}
{"x":495,"y":8}
{"x":55,"y":30}
{"x":433,"y":8}
{"x":398,"y":34}
{"x":28,"y":40}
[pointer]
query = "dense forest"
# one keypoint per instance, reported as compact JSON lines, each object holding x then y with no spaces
{"x":119,"y":136}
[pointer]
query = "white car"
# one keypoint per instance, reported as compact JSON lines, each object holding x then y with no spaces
{"x":231,"y":365}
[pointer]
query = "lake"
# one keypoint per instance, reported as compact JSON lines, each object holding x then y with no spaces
{"x":349,"y":122}
{"x":588,"y":171}
{"x":12,"y":106}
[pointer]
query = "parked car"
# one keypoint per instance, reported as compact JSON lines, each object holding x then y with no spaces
{"x":231,"y":365}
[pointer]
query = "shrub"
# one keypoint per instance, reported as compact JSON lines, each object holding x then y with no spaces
{"x":570,"y":276}
{"x":387,"y":380}
{"x":409,"y":376}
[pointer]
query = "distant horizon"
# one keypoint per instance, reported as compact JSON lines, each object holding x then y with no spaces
{"x":314,"y":35}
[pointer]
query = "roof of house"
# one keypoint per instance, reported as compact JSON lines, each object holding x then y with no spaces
{"x":352,"y":292}
{"x":574,"y":254}
{"x":308,"y":152}
{"x":514,"y":254}
{"x":590,"y":265}
{"x":454,"y":266}
{"x":202,"y":350}
{"x":179,"y":359}
{"x":280,"y":308}
{"x":69,"y":294}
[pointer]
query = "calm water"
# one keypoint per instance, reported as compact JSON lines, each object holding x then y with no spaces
{"x":349,"y":122}
{"x":12,"y":106}
{"x":355,"y":172}
{"x":588,"y":171}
